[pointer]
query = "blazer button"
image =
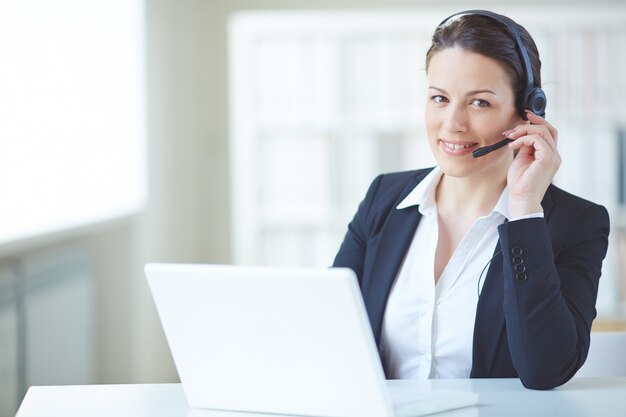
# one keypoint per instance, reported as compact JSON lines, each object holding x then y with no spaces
{"x":521,"y":276}
{"x":518,"y":260}
{"x":517,"y":251}
{"x":520,"y":268}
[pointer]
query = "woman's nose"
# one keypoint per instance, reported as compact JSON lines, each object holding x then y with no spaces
{"x":455,"y":119}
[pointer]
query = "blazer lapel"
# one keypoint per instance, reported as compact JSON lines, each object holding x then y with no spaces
{"x":489,"y":323}
{"x":392,"y":247}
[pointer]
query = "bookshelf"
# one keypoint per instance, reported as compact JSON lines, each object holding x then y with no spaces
{"x":321,"y":102}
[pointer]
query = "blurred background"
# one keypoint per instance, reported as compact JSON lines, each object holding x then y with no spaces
{"x":244,"y":132}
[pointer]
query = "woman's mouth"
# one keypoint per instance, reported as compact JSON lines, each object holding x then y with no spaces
{"x":457,"y":148}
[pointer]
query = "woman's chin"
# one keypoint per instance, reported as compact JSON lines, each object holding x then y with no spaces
{"x":472,"y":167}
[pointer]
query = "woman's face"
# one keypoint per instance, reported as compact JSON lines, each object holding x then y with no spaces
{"x":470,"y":102}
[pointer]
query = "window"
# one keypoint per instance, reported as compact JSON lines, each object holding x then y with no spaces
{"x":72,"y":130}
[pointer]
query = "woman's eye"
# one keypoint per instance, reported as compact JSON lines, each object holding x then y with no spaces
{"x":438,"y":99}
{"x":480,"y":103}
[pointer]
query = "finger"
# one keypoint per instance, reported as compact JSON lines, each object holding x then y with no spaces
{"x":538,"y":146}
{"x":535,"y":140}
{"x":530,"y":130}
{"x":522,"y":150}
{"x":537,"y":120}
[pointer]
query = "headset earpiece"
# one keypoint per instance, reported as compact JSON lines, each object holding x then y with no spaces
{"x":536,"y":102}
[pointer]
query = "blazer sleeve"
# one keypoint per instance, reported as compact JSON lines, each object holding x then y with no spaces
{"x":351,"y":254}
{"x":550,"y":294}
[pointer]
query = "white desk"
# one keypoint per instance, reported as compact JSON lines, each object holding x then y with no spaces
{"x":604,"y":397}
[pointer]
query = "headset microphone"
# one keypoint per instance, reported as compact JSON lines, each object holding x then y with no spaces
{"x":488,"y":149}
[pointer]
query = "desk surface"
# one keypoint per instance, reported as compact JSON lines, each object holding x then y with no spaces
{"x":497,"y":397}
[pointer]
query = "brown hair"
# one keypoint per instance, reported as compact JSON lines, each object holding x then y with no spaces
{"x":491,"y":38}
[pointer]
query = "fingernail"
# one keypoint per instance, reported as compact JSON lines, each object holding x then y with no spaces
{"x":508,"y":132}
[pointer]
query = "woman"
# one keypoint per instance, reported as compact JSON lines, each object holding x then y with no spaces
{"x":480,"y":267}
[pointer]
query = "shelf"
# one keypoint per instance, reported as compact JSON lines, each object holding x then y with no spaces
{"x":607,"y":324}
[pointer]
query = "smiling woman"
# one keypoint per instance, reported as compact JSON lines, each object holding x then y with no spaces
{"x":421,"y":240}
{"x":72,"y":114}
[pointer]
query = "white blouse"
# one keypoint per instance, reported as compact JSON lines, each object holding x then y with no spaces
{"x":428,"y":328}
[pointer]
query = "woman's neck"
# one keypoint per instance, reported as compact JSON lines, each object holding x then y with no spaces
{"x":475,"y":196}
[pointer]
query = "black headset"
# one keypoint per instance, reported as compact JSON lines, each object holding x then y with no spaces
{"x":533,"y":98}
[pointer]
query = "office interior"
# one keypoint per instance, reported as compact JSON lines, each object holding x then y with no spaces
{"x":232,"y":147}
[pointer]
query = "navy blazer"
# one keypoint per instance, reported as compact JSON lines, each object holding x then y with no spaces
{"x":535,"y":310}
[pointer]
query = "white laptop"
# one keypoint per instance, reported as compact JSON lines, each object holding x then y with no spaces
{"x":279,"y":341}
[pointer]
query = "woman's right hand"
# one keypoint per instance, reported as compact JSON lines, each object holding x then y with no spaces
{"x":535,"y":165}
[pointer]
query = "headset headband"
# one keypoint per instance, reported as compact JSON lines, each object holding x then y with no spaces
{"x":534,"y":98}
